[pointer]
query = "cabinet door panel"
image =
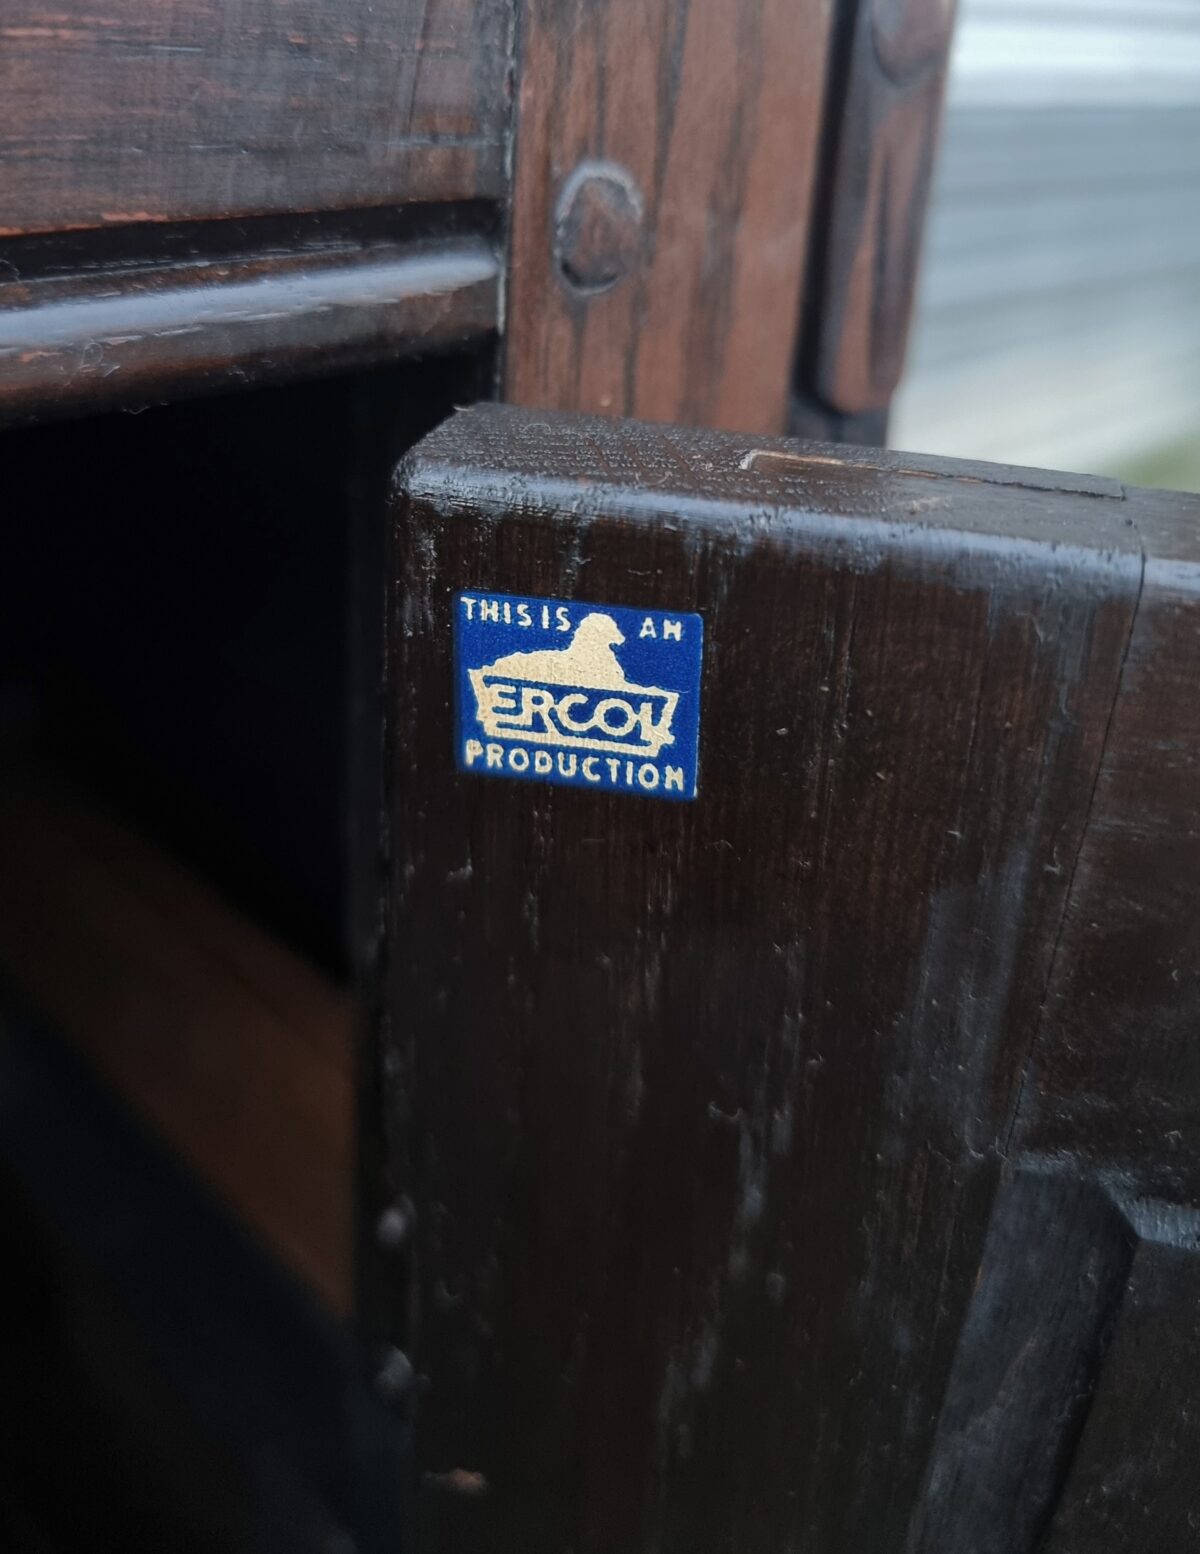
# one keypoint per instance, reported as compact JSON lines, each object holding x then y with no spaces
{"x":703,"y":1104}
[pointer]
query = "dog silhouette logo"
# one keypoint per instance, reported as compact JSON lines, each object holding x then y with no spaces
{"x":577,"y":696}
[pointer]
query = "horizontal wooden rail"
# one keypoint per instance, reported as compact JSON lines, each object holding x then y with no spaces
{"x":117,"y":337}
{"x":122,"y":112}
{"x":234,"y":1051}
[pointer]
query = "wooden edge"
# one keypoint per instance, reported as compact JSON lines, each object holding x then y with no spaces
{"x":882,"y":136}
{"x":234,"y":1051}
{"x":126,"y":335}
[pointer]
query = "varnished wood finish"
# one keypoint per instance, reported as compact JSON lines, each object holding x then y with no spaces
{"x":1113,"y":1086}
{"x":1116,"y":1069}
{"x":121,"y":112}
{"x":228,"y":1045}
{"x":697,"y":123}
{"x":705,"y":1109}
{"x":1056,"y":1258}
{"x":882,"y":138}
{"x":1131,"y":1482}
{"x":128,"y":334}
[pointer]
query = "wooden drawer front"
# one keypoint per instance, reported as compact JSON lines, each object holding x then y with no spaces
{"x":125,"y":111}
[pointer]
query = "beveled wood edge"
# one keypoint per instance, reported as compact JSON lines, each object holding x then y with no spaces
{"x":124,"y":336}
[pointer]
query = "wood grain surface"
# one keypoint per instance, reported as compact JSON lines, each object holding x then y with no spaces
{"x":96,"y":340}
{"x":1057,"y":1255}
{"x":704,"y":1108}
{"x":226,"y":1043}
{"x":1116,"y":1072}
{"x":669,"y":287}
{"x":882,"y":139}
{"x":1131,"y":1483}
{"x":121,"y":112}
{"x":1113,"y":1086}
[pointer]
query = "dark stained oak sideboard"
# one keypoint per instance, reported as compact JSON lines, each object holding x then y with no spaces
{"x":806,"y":1164}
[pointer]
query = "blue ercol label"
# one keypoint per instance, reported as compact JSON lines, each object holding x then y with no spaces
{"x":587,"y":695}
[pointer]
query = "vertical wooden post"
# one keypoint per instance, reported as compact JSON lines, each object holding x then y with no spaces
{"x":664,"y":163}
{"x":881,"y":140}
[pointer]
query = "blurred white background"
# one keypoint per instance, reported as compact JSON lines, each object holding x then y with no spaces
{"x":1058,"y":316}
